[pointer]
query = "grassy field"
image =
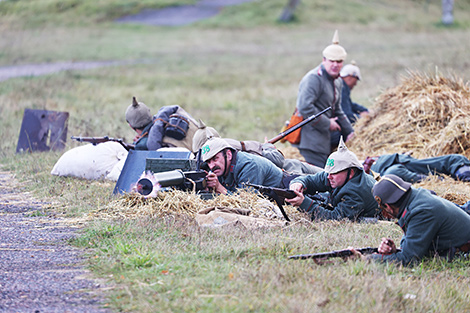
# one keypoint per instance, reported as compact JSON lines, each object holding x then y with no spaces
{"x":239,"y":72}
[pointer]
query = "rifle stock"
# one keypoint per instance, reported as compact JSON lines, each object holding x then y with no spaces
{"x":284,"y":193}
{"x":97,"y":140}
{"x":333,"y":254}
{"x":297,"y":126}
{"x":276,"y":194}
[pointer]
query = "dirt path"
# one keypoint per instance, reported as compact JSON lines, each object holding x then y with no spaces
{"x":180,"y":15}
{"x":7,"y":72}
{"x":171,"y":16}
{"x":39,"y":270}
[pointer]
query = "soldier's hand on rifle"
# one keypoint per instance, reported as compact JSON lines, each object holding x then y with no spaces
{"x":213,"y":183}
{"x":387,"y":246}
{"x":334,"y":125}
{"x":298,"y":188}
{"x":355,"y":255}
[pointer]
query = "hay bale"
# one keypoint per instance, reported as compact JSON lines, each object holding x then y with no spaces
{"x":425,"y":114}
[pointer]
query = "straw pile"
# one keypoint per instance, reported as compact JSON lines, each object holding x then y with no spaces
{"x":176,"y":203}
{"x":425,"y":114}
{"x":447,"y":188}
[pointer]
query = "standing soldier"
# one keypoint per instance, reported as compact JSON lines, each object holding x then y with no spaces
{"x":319,"y":89}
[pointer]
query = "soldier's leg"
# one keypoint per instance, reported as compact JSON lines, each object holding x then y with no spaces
{"x":446,"y":164}
{"x":404,"y":173}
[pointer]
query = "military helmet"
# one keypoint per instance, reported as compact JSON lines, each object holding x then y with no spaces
{"x":203,"y":134}
{"x":335,"y":52}
{"x":213,"y":146}
{"x":389,"y":189}
{"x":341,"y":160}
{"x":138,"y":114}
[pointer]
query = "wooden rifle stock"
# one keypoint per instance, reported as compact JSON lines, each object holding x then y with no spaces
{"x":297,"y":126}
{"x":334,"y":254}
{"x":96,"y":140}
{"x":276,"y":194}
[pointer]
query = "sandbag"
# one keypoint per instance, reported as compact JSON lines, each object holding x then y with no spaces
{"x":90,"y":161}
{"x":116,"y":170}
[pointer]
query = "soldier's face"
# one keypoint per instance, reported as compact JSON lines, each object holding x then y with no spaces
{"x":351,"y":81}
{"x":332,"y":67}
{"x":387,"y":211}
{"x":218,"y":163}
{"x":337,"y":179}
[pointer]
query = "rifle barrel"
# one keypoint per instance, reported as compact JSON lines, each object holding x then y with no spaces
{"x":297,"y":126}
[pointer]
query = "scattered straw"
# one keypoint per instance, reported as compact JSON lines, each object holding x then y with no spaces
{"x":447,"y":188}
{"x":178,"y":203}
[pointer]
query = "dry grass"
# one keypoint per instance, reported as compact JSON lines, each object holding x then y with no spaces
{"x":425,"y":114}
{"x":176,"y":203}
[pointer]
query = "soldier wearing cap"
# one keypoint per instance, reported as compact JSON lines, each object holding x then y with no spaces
{"x":348,"y":189}
{"x":231,"y":169}
{"x":350,"y":74}
{"x":267,"y":150}
{"x":319,"y":89}
{"x":431,"y":225}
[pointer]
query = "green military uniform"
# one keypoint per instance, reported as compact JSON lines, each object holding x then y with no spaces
{"x":430,"y":224}
{"x":249,"y":168}
{"x":353,"y":200}
{"x":413,"y":170}
{"x":141,"y":143}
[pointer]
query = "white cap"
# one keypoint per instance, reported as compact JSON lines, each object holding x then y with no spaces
{"x":351,"y":70}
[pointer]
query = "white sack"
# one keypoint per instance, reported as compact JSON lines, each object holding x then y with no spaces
{"x":91,"y":162}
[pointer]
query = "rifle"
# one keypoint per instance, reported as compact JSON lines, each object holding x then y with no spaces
{"x":333,"y":254}
{"x":97,"y":140}
{"x":276,"y":194}
{"x":284,"y":193}
{"x":279,"y":195}
{"x":297,"y":126}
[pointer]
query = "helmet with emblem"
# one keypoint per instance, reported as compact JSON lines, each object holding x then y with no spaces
{"x":341,"y":160}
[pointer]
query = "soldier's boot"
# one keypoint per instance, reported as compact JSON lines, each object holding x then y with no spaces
{"x":463,"y":173}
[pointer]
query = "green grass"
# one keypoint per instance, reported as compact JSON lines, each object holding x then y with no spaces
{"x":239,"y":72}
{"x":176,"y":266}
